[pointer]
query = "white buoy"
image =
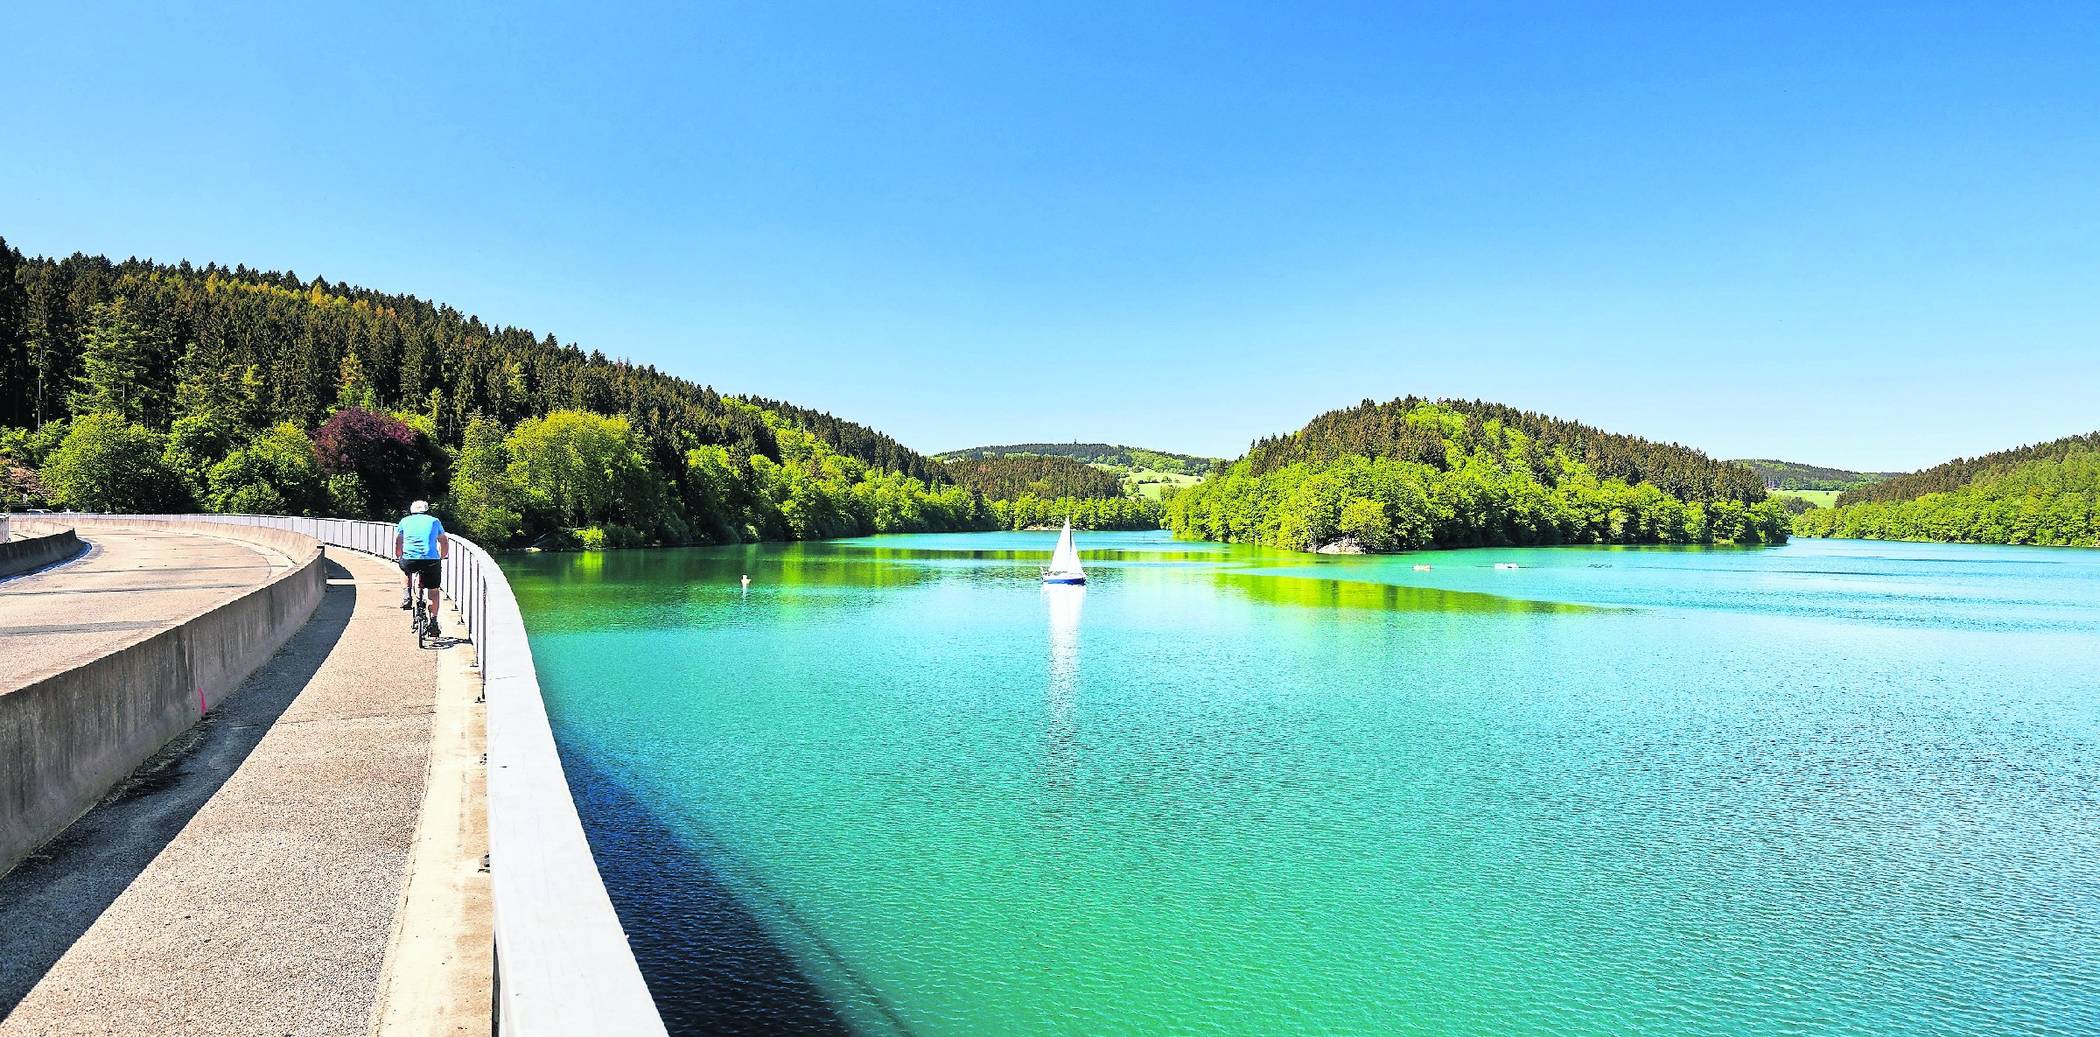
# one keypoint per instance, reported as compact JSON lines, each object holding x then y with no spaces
{"x":747,"y":581}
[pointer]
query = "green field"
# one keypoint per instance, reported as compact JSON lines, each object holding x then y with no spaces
{"x":1791,"y":475}
{"x":1819,"y":498}
{"x":1148,"y":482}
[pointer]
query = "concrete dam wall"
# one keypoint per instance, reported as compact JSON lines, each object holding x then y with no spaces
{"x":67,"y":738}
{"x":35,"y":552}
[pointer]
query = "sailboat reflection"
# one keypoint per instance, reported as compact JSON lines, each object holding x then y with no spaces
{"x":1061,"y":755}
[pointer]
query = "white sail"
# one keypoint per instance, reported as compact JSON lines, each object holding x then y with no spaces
{"x":1064,"y":562}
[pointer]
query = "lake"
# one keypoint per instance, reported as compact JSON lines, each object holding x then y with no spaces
{"x":898,"y":787}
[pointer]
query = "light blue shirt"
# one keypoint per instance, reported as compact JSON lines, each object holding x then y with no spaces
{"x":419,"y":536}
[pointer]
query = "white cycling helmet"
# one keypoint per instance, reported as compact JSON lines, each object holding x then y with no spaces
{"x":419,"y":507}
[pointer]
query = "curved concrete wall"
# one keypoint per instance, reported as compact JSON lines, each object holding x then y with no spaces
{"x":563,"y":964}
{"x":564,"y":967}
{"x":67,"y":739}
{"x":21,"y":556}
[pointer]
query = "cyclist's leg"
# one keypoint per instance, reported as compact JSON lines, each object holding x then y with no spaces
{"x":408,"y":583}
{"x":433,"y":577}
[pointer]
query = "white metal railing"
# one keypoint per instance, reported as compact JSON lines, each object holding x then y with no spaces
{"x":563,"y":964}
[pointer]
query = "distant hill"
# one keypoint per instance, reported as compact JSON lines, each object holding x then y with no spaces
{"x":1955,"y":474}
{"x":1392,"y":429}
{"x":1009,"y":476}
{"x":1792,"y":475}
{"x":1415,"y":473}
{"x":2047,"y":498}
{"x":1128,"y":459}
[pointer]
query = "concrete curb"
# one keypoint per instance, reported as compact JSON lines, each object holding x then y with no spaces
{"x":68,"y":738}
{"x":438,"y":979}
{"x":33,"y":553}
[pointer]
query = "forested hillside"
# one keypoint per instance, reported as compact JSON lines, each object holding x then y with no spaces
{"x":1789,"y":475}
{"x":2049,"y":500}
{"x":856,"y":440}
{"x":1122,"y":458}
{"x":1009,"y":477}
{"x":1955,"y":474}
{"x":1414,"y":473}
{"x":1391,"y":431}
{"x":140,"y":386}
{"x":1044,"y":491}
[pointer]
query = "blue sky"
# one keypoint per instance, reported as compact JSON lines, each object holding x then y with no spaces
{"x":1848,"y":234}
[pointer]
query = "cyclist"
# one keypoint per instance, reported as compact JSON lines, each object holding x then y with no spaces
{"x":421,"y":545}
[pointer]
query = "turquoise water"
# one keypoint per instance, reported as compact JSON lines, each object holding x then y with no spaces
{"x":899,"y":787}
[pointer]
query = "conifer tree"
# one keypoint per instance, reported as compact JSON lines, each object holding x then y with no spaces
{"x":48,"y":338}
{"x":17,"y":406}
{"x":353,"y":389}
{"x":115,"y":366}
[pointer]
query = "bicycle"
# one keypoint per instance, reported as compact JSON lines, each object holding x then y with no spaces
{"x":419,"y":616}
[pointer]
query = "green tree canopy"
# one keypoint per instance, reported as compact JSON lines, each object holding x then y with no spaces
{"x":2051,"y":501}
{"x":486,"y":504}
{"x":550,"y":438}
{"x":1953,"y":475}
{"x":274,"y":473}
{"x":1011,"y":476}
{"x":579,"y":469}
{"x":1445,"y":477}
{"x":106,"y":463}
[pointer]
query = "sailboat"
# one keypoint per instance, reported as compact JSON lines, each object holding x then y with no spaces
{"x":1064,"y":562}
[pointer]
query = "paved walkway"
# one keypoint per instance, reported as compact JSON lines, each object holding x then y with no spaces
{"x":246,"y":880}
{"x":130,"y":583}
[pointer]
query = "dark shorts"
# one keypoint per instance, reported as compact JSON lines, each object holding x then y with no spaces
{"x":432,"y":570}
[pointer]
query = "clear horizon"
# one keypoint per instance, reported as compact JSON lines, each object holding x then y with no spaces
{"x":1862,"y":238}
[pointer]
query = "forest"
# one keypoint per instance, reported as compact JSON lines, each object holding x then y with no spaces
{"x":1029,"y":511}
{"x":1125,"y":459}
{"x":1393,"y":430}
{"x":1007,"y":477}
{"x":141,"y":386}
{"x":1032,"y":491}
{"x":1791,"y":475}
{"x":1419,"y":474}
{"x":1955,"y":474}
{"x":2051,"y":500}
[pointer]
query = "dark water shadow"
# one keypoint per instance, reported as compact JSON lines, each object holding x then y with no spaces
{"x":49,"y":900}
{"x":711,"y":966}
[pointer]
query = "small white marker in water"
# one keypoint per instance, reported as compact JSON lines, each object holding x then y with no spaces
{"x":747,"y":581}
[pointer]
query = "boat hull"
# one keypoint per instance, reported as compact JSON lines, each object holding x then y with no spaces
{"x":1065,"y":579}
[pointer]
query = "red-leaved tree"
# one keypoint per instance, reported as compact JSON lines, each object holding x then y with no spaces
{"x":387,"y":455}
